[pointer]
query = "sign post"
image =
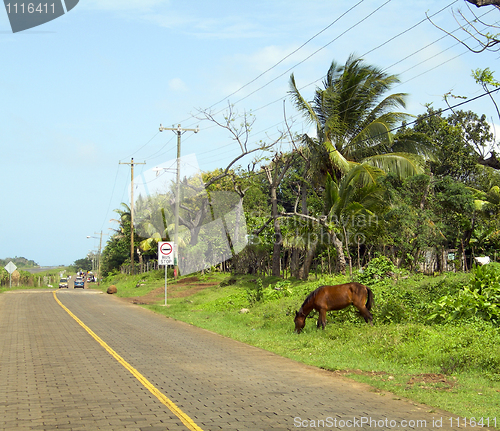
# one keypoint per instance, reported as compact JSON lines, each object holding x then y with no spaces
{"x":10,"y":268}
{"x":166,"y":257}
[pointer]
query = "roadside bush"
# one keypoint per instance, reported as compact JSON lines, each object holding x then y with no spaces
{"x":258,"y":293}
{"x":228,"y":282}
{"x":255,"y":292}
{"x":280,"y":290}
{"x":478,"y":300}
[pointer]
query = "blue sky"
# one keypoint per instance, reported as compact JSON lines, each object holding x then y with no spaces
{"x":90,"y":89}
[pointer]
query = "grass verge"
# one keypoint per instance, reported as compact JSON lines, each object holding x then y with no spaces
{"x":451,"y":367}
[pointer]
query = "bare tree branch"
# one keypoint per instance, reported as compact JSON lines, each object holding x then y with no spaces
{"x":239,"y":127}
{"x":485,"y":40}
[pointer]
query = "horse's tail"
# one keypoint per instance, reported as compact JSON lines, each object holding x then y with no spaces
{"x":369,"y":298}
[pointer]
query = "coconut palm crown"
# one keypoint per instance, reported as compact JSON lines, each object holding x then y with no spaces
{"x":354,"y":120}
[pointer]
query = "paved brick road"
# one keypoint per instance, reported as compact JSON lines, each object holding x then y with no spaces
{"x":54,"y":375}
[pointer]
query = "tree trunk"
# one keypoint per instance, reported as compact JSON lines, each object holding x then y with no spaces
{"x":278,"y":240}
{"x":294,"y":263}
{"x":337,"y":243}
{"x":275,"y":175}
{"x":306,"y":267}
{"x":346,"y":238}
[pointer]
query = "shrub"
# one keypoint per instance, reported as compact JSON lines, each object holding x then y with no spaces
{"x":255,"y":292}
{"x":280,"y":290}
{"x":479,"y":299}
{"x":258,"y":293}
{"x":379,"y":268}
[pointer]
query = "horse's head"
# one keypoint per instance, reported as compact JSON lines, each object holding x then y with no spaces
{"x":300,"y":321}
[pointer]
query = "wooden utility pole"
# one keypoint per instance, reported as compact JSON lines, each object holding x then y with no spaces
{"x":132,"y":163}
{"x":178,"y":131}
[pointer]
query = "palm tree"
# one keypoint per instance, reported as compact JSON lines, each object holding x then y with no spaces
{"x":349,"y":201}
{"x":151,"y":218}
{"x":354,"y":120}
{"x":345,"y":202}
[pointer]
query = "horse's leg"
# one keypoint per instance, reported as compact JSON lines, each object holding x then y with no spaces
{"x":322,"y":318}
{"x":367,"y":316}
{"x":365,"y":313}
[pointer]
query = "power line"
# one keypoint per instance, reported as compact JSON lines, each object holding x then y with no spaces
{"x":287,"y":56}
{"x":409,"y":29}
{"x":410,"y":68}
{"x":310,"y":39}
{"x":302,"y":61}
{"x":156,"y":134}
{"x":315,"y":52}
{"x":379,"y":46}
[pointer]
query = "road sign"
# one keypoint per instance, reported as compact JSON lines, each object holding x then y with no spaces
{"x":10,"y":267}
{"x":165,"y":253}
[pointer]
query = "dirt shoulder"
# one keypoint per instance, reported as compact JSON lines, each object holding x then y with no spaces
{"x":181,"y":289}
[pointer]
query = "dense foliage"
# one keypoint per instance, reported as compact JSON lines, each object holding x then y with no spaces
{"x":426,"y":196}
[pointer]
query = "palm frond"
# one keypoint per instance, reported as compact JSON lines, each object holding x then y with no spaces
{"x":300,"y":103}
{"x":337,"y":160}
{"x":401,"y":164}
{"x":331,"y":193}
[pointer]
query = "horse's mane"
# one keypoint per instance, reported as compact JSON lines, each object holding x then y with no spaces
{"x":310,"y":297}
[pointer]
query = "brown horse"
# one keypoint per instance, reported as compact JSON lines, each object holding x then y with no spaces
{"x":327,"y":298}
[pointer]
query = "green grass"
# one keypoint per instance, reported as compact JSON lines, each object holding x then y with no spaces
{"x":452,"y":367}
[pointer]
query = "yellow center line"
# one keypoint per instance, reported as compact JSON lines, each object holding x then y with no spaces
{"x":186,"y":420}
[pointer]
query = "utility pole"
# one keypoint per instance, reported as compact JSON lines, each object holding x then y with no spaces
{"x":98,"y":255}
{"x":99,"y":259}
{"x":131,"y":163}
{"x":178,"y":131}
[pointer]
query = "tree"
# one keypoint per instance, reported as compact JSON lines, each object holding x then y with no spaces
{"x":84,"y":264}
{"x":196,"y":208}
{"x":344,"y":203}
{"x":151,"y":215}
{"x":274,"y":174}
{"x":486,"y":41}
{"x":117,"y":249}
{"x":349,"y":204}
{"x":453,"y":203}
{"x":484,"y":77}
{"x":411,"y":226}
{"x":454,"y":155}
{"x":464,"y":146}
{"x":476,"y":132}
{"x":354,"y":120}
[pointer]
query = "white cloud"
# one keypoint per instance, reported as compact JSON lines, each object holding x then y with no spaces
{"x":201,"y":27}
{"x":177,"y":84}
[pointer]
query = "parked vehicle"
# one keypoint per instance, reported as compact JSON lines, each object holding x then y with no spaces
{"x":63,"y":282}
{"x":79,"y":282}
